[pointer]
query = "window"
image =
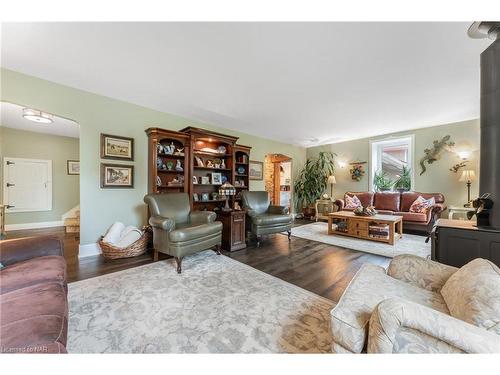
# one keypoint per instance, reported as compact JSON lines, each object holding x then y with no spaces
{"x":390,"y":156}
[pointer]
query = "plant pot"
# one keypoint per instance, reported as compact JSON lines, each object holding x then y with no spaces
{"x":385,"y":189}
{"x":308,"y":212}
{"x":402,"y":190}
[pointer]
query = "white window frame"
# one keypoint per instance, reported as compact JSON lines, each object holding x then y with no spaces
{"x":48,"y":207}
{"x":376,"y":155}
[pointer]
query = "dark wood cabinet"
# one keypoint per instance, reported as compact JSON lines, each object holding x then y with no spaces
{"x":233,"y":232}
{"x":457,"y":242}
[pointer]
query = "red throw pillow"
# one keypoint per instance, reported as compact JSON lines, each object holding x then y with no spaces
{"x":352,"y":202}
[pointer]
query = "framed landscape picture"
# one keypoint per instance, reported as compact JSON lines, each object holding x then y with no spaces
{"x":115,"y":176}
{"x":116,"y":147}
{"x":256,"y":170}
{"x":73,"y":167}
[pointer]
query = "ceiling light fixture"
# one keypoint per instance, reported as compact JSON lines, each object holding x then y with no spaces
{"x":37,"y":116}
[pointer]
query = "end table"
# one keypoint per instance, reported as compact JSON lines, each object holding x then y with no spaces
{"x":233,"y":229}
{"x":324,"y":207}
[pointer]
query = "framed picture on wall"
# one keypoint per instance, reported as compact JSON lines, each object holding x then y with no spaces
{"x":116,"y":147}
{"x":256,"y":170}
{"x":73,"y":167}
{"x":116,"y":176}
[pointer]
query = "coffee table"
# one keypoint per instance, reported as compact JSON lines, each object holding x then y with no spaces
{"x":358,"y":226}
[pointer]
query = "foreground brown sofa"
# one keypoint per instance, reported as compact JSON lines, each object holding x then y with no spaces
{"x":33,"y":296}
{"x":396,"y":203}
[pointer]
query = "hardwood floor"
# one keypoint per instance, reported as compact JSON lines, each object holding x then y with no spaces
{"x":320,"y":268}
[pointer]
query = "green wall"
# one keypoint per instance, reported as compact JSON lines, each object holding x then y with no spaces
{"x":437,"y":178}
{"x":65,"y":188}
{"x":98,"y":114}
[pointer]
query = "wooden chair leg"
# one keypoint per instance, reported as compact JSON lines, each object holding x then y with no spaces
{"x":258,"y":241}
{"x":178,"y":260}
{"x":289,"y":234}
{"x":155,"y":255}
{"x":217,"y":249}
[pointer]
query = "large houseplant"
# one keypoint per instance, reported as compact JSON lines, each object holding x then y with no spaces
{"x":382,"y":182}
{"x":312,"y":181}
{"x":403,"y":183}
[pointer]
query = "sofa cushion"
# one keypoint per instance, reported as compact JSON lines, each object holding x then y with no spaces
{"x":387,"y":200}
{"x":33,"y":271}
{"x":408,"y":197}
{"x":269,"y":219}
{"x":352,"y":202}
{"x":34,"y":317}
{"x":385,"y":212}
{"x":368,"y":288}
{"x":188,"y":232}
{"x":414,"y":217}
{"x":365,"y":197}
{"x":473,"y":294}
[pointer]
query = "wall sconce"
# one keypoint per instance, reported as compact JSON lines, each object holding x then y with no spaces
{"x":342,"y":164}
{"x":464,"y":155}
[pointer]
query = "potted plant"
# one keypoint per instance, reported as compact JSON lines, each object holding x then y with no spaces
{"x":312,"y":181}
{"x":382,"y":182}
{"x":403,"y":183}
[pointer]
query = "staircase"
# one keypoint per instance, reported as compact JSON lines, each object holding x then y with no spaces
{"x":72,"y":224}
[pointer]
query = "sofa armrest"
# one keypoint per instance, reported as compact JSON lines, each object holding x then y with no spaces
{"x":278,"y":210}
{"x":398,"y":325}
{"x":160,"y":222}
{"x":420,"y":272}
{"x":251,"y":213}
{"x":202,"y":217}
{"x":340,"y":204}
{"x":438,"y":208}
{"x":18,"y":250}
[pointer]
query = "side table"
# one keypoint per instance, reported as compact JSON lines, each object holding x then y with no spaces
{"x":323,"y":208}
{"x":458,"y":209}
{"x":233,"y":229}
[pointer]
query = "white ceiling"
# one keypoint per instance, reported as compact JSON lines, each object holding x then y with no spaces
{"x":11,"y":116}
{"x":301,"y":83}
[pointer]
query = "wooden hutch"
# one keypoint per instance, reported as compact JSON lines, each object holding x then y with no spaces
{"x":207,"y":158}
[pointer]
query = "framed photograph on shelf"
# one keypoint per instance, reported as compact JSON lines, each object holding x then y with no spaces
{"x":116,"y":147}
{"x":205,"y":197}
{"x":115,"y":176}
{"x":256,"y":170}
{"x":205,"y":180}
{"x":195,"y":197}
{"x":73,"y":167}
{"x":216,"y":178}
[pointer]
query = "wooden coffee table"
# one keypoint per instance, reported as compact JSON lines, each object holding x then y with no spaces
{"x":358,"y":226}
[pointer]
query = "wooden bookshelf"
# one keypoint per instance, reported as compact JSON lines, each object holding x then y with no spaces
{"x":166,"y":148}
{"x":240,"y":170}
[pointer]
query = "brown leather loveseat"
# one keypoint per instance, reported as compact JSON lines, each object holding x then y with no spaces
{"x":33,"y":296}
{"x":396,"y":203}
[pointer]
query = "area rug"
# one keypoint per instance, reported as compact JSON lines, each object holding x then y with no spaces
{"x":409,"y":244}
{"x":217,"y":305}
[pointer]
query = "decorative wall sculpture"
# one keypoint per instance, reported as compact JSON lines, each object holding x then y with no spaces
{"x":434,"y":154}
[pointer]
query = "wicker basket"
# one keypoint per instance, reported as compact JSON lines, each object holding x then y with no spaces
{"x":137,"y":248}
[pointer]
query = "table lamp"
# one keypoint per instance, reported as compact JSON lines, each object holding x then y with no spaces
{"x":227,"y":190}
{"x":468,"y":176}
{"x":331,"y":181}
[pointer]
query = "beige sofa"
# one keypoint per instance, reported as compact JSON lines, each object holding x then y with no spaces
{"x":419,"y":306}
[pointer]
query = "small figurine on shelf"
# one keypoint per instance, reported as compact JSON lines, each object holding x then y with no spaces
{"x":178,"y":166}
{"x":159,"y":148}
{"x":217,"y":163}
{"x":169,"y":150}
{"x":210,"y":163}
{"x":159,"y":163}
{"x":158,"y":181}
{"x":223,"y":164}
{"x":215,"y":196}
{"x":163,"y":167}
{"x":170,"y":165}
{"x":179,"y":151}
{"x":237,"y":206}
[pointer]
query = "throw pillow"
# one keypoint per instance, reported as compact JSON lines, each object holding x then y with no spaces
{"x":422,"y":205}
{"x":472,"y":294}
{"x":352,"y":202}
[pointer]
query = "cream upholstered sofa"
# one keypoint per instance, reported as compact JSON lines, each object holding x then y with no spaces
{"x":419,"y":306}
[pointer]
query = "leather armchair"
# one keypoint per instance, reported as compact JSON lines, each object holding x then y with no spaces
{"x":265,"y":218}
{"x":178,"y":231}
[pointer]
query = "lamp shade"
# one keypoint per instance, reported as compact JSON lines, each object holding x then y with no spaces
{"x":467,"y":175}
{"x":332,"y":180}
{"x":227,"y":189}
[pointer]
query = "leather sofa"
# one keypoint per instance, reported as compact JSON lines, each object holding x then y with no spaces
{"x":178,"y":231}
{"x":396,"y":203}
{"x":265,"y":218}
{"x":33,"y":296}
{"x":419,"y":306}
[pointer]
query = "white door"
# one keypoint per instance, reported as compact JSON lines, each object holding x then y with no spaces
{"x":27,"y":184}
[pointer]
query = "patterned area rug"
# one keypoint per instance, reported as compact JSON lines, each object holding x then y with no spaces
{"x":409,"y":244}
{"x":217,"y":305}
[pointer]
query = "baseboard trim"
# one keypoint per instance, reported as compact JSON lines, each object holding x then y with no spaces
{"x":88,"y":250}
{"x":43,"y":224}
